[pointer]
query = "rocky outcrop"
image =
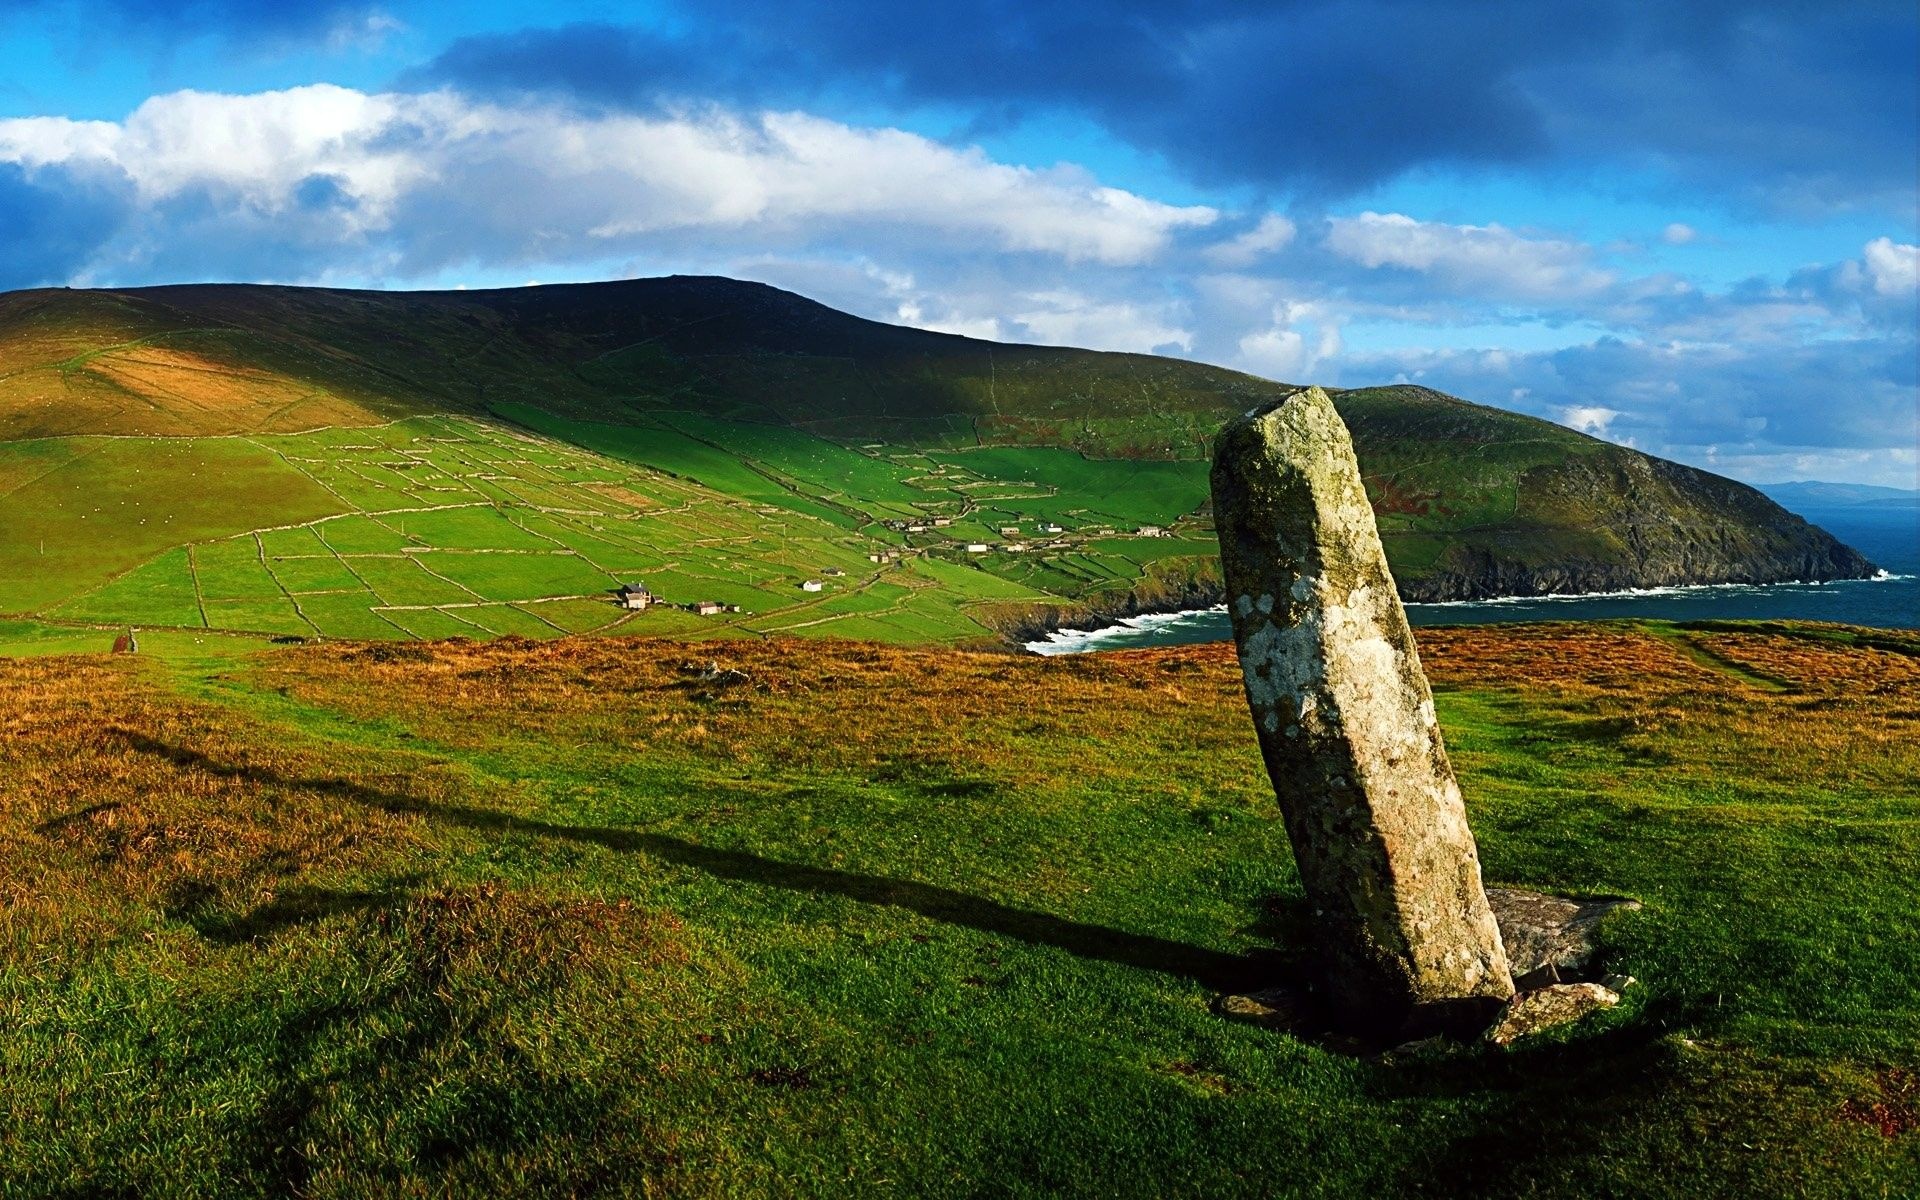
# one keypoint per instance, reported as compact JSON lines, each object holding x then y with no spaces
{"x":1346,"y":725}
{"x":1547,"y":1008}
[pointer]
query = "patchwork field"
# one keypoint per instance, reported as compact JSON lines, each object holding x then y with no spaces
{"x":837,"y":919}
{"x":445,"y":526}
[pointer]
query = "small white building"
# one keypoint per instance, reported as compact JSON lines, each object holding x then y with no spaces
{"x":635,"y":596}
{"x":1050,"y":527}
{"x":977,"y":547}
{"x":1151,"y":531}
{"x":1009,"y":531}
{"x":812,"y":585}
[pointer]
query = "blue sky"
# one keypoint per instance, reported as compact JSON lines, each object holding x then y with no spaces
{"x":1690,"y":231}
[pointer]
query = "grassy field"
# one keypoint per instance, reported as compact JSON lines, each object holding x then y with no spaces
{"x":440,"y":527}
{"x":844,"y":919}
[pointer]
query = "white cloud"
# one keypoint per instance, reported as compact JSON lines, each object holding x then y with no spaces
{"x":1489,"y":259}
{"x":506,"y":184}
{"x":1591,"y":419}
{"x":1274,"y":232}
{"x":1065,"y":318}
{"x":1677,"y":234}
{"x":1293,"y":347}
{"x":1892,"y":267}
{"x":365,"y":32}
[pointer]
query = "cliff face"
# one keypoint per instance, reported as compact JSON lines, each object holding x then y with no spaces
{"x":1618,"y":519}
{"x":1475,"y":503}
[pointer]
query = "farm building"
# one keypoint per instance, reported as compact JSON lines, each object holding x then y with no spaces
{"x":831,"y":572}
{"x":1151,"y":531}
{"x":812,"y":585}
{"x":708,"y":608}
{"x":635,"y":596}
{"x":1050,"y":527}
{"x":1009,"y":531}
{"x":977,"y":547}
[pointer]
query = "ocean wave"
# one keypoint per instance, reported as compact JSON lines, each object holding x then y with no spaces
{"x":1675,"y":589}
{"x":1076,"y":641}
{"x":1123,"y":633}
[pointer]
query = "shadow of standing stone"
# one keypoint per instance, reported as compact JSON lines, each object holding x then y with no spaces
{"x":1347,"y":729}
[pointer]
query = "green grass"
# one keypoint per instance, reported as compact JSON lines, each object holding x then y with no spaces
{"x":1082,"y":489}
{"x":258,"y":616}
{"x":521,"y":576}
{"x":347,"y":615}
{"x":105,"y":506}
{"x":322,"y":573}
{"x":437,"y":622}
{"x":158,"y":592}
{"x":233,"y":570}
{"x":405,"y":579}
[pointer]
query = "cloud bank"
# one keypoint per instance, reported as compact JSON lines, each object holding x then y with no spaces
{"x":1803,"y":375}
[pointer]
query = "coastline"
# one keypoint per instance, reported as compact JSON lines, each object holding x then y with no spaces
{"x":1078,"y":637}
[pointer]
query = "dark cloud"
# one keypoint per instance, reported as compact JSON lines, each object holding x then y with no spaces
{"x":1790,"y":102}
{"x":236,"y":21}
{"x":51,"y":223}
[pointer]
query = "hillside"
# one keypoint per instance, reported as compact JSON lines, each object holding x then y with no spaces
{"x":305,"y":461}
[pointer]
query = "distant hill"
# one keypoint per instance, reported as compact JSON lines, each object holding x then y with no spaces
{"x":1813,"y":493}
{"x":765,"y":403}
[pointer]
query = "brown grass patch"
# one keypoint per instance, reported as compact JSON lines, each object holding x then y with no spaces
{"x":625,"y":495}
{"x":117,"y":799}
{"x":1895,"y":1111}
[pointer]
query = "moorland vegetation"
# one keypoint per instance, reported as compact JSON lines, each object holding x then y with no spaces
{"x":842,"y":918}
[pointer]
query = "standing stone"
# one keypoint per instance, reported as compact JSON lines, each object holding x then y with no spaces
{"x":1347,"y":727}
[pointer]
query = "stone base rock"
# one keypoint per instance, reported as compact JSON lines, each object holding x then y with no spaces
{"x":1549,"y":938}
{"x":1286,"y":1008}
{"x":1548,"y":1007}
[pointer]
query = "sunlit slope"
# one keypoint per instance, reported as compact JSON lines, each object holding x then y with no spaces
{"x":107,"y":363}
{"x":771,"y":398}
{"x":444,"y":526}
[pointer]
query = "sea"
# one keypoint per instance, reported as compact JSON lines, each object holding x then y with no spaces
{"x":1888,"y":534}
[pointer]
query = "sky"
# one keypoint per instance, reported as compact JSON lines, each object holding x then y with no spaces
{"x":1685,"y":228}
